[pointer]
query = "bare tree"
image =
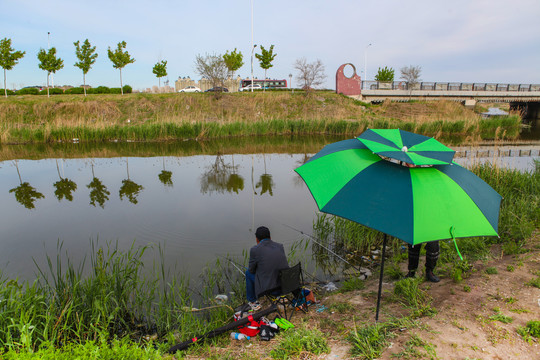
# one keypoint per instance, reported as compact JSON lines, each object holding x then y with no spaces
{"x":310,"y":75}
{"x":411,"y":75}
{"x":212,"y":67}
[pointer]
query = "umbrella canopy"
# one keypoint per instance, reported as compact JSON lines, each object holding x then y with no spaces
{"x":414,"y":204}
{"x":408,"y":147}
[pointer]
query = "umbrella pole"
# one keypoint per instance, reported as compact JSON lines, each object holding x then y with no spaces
{"x":380,"y":279}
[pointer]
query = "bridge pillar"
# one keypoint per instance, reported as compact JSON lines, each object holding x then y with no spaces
{"x":470,"y":103}
{"x":348,"y":85}
{"x":528,"y":110}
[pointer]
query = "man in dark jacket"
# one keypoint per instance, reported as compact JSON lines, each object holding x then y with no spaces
{"x":265,"y":260}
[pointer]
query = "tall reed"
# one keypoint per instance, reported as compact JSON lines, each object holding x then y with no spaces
{"x":113,"y":297}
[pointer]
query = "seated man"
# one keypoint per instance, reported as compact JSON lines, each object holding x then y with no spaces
{"x":265,"y":260}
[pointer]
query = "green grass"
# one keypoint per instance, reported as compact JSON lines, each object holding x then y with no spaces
{"x":535,"y":282}
{"x":352,"y":284}
{"x":300,"y":342}
{"x":501,"y":318}
{"x":417,"y":348}
{"x":529,"y":331}
{"x":491,"y":271}
{"x":408,"y":292}
{"x":111,"y":298}
{"x":99,"y":349}
{"x":342,"y":307}
{"x":371,"y":340}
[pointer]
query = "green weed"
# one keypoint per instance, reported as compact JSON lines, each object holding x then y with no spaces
{"x":529,"y":331}
{"x":501,"y":318}
{"x":408,"y":292}
{"x":300,"y":342}
{"x":371,"y":340}
{"x":413,"y":349}
{"x":534,"y":282}
{"x":491,"y":270}
{"x":352,"y":284}
{"x":342,"y":308}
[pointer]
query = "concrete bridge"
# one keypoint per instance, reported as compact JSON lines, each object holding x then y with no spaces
{"x":469,"y":93}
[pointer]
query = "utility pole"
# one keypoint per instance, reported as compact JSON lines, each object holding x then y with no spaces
{"x":365,"y":63}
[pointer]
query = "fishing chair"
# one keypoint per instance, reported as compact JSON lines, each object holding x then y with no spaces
{"x":290,"y":293}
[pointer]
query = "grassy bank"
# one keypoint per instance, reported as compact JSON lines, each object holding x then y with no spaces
{"x":110,"y":309}
{"x":144,"y":117}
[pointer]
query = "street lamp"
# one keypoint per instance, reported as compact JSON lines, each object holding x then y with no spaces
{"x":290,"y":81}
{"x":365,"y":62}
{"x":252,"y":50}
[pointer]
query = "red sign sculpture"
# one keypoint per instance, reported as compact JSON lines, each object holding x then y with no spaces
{"x":348,"y":85}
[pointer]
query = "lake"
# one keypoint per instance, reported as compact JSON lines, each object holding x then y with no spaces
{"x":198,"y":201}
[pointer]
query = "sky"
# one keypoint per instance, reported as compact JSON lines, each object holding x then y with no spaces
{"x":495,"y":41}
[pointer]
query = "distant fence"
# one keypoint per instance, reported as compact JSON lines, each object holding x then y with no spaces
{"x":483,"y":153}
{"x":448,"y":86}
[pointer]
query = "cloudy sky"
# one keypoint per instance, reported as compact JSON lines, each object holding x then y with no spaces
{"x":458,"y":40}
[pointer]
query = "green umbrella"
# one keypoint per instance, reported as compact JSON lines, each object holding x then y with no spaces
{"x":408,"y":147}
{"x":414,"y":204}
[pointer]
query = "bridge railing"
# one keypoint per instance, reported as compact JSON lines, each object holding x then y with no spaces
{"x":448,"y":86}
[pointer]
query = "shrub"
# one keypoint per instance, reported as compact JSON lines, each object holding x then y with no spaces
{"x":114,"y":91}
{"x":127,"y":89}
{"x":98,"y":90}
{"x":28,"y":91}
{"x":9,"y":92}
{"x":75,"y":90}
{"x":52,"y":91}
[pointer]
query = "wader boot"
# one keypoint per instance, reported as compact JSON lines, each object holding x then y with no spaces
{"x":432,"y":255}
{"x":414,"y":257}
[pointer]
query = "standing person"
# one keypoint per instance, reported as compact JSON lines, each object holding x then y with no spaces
{"x":432,"y":255}
{"x":265,"y":260}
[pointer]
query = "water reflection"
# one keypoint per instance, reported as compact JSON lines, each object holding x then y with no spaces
{"x":165,"y":176}
{"x":25,"y":194}
{"x":266,"y":183}
{"x":220,"y":177}
{"x":129,"y":188}
{"x":98,"y":191}
{"x":64,"y":187}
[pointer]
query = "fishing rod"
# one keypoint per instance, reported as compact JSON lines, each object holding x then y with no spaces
{"x":234,"y":264}
{"x":314,"y":239}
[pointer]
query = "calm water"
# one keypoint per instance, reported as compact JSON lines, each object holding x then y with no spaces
{"x":196,"y":206}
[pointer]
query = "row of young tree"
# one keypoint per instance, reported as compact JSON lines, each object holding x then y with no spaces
{"x":51,"y":63}
{"x":216,"y":68}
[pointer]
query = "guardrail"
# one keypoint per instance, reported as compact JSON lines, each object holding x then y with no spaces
{"x":448,"y":86}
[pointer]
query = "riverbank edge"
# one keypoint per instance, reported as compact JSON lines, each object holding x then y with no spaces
{"x":170,"y":117}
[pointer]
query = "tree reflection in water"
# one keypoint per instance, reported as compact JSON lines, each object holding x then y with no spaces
{"x":129,"y":188}
{"x":266,"y":183}
{"x":165,"y":176}
{"x":235,"y":182}
{"x":98,"y":192}
{"x":220,"y":177}
{"x":25,"y":194}
{"x":64,"y":187}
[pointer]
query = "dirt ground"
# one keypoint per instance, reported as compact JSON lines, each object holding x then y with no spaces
{"x":461,"y":328}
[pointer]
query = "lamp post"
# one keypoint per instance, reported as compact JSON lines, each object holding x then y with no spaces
{"x":290,"y":82}
{"x":252,"y":50}
{"x":365,"y":62}
{"x":253,"y":46}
